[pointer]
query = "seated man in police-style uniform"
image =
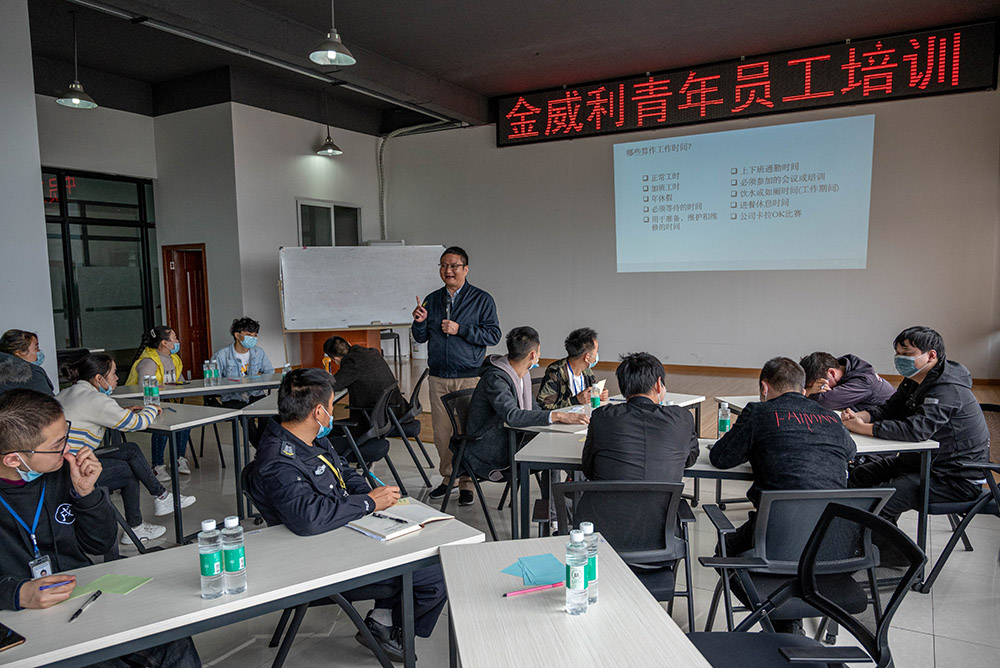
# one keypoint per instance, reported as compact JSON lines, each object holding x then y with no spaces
{"x":301,"y":482}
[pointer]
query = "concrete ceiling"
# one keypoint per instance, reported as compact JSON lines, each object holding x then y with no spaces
{"x":449,"y":57}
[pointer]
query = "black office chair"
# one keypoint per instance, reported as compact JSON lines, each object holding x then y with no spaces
{"x":344,"y":599}
{"x":456,"y":404}
{"x":410,"y":418}
{"x":841,"y":533}
{"x":645,"y":522}
{"x":400,"y":429}
{"x":379,"y":426}
{"x":389,"y":335}
{"x":543,"y":518}
{"x":785,"y":520}
{"x":113,"y":554}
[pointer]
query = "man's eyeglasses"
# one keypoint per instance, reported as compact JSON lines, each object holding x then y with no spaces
{"x":451,"y":266}
{"x":61,"y":444}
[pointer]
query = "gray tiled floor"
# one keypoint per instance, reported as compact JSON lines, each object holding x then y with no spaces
{"x":958,"y":624}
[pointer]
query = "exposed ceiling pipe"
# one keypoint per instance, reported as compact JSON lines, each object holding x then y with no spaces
{"x":260,"y":57}
{"x":383,"y":226}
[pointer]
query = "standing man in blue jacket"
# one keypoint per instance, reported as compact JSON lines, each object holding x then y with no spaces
{"x":458,"y":322}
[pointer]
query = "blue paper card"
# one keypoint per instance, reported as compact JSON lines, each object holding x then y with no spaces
{"x":537,"y":570}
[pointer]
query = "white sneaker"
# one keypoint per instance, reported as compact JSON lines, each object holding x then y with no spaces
{"x":182,"y":466}
{"x":162,"y":473}
{"x":144,"y":532}
{"x":164,"y":505}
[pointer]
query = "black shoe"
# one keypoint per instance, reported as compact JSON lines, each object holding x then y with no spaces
{"x":438,"y":492}
{"x":465,"y":498}
{"x":389,"y":639}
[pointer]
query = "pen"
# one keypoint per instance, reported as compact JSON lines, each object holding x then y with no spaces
{"x":528,"y":591}
{"x":168,"y":408}
{"x":388,"y":517}
{"x":51,"y":586}
{"x":86,"y":605}
{"x":376,"y":478}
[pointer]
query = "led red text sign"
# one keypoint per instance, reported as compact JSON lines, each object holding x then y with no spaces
{"x":948,"y":60}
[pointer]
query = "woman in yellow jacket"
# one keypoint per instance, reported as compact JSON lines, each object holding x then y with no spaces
{"x":157,"y":356}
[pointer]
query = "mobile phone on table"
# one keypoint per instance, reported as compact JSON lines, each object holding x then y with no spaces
{"x":9,"y":638}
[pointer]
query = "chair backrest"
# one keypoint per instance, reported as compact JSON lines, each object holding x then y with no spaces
{"x":637,"y":518}
{"x":456,"y":405}
{"x":842,"y":529}
{"x":786,"y":519}
{"x":992,"y":414}
{"x":381,"y":424}
{"x":413,"y":406}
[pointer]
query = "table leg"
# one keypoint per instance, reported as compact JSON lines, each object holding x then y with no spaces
{"x":512,"y":446}
{"x":925,"y":489}
{"x":544,"y":529}
{"x":524,"y":484}
{"x":697,"y":420}
{"x":238,"y":467}
{"x":409,"y":651}
{"x":175,"y":487}
{"x":452,"y":646}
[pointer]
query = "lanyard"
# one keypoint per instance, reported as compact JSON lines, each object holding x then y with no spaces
{"x":336,"y":471}
{"x":34,"y":525}
{"x":572,"y":379}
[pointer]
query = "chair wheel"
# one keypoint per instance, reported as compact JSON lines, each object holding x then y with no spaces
{"x":258,"y":521}
{"x":722,"y":506}
{"x":694,"y":503}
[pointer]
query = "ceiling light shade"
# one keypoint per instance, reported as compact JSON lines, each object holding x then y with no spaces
{"x":76,"y":97}
{"x":328,"y":148}
{"x":331,"y":51}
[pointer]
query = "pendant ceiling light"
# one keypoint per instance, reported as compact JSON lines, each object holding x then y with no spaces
{"x":331,"y":51}
{"x":76,"y":97}
{"x":328,"y":148}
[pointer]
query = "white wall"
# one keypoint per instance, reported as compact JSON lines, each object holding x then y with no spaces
{"x":97,"y":140}
{"x":538,"y":222}
{"x":25,"y":296}
{"x":196,"y":201}
{"x":275,"y":164}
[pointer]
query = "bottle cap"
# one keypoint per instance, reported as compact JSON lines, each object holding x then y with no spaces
{"x":723,"y":404}
{"x":576,"y":536}
{"x":587,"y":528}
{"x":208,"y":525}
{"x":232,"y":522}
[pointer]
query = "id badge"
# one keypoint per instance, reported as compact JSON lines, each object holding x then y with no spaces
{"x":40,"y":567}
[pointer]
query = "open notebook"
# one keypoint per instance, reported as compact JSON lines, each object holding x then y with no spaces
{"x":401,"y":519}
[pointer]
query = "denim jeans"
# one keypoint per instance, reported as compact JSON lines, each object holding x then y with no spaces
{"x":159,"y":443}
{"x":123,"y":470}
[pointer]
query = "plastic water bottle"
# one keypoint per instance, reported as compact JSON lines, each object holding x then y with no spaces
{"x":595,"y":397}
{"x":725,"y":419}
{"x":206,"y":371}
{"x":210,"y":555}
{"x":285,"y":369}
{"x":214,"y":368}
{"x":150,"y":391}
{"x":576,"y":574}
{"x":590,"y":539}
{"x":234,"y":562}
{"x":145,"y":391}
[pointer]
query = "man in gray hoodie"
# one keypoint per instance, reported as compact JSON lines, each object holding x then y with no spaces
{"x":503,"y":396}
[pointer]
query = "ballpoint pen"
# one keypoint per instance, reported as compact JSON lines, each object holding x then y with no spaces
{"x":86,"y":604}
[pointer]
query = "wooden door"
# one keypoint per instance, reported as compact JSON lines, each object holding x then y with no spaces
{"x":186,"y":290}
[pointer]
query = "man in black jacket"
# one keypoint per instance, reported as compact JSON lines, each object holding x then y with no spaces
{"x":790,"y":442}
{"x":52,"y":515}
{"x":934,"y":402}
{"x":640,"y":439}
{"x":844,"y":382}
{"x":503,"y":396}
{"x":458,"y":322}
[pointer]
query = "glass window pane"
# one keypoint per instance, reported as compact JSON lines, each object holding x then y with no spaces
{"x":50,"y":193}
{"x":154,"y":275}
{"x":98,"y":198}
{"x":316,"y":225}
{"x":150,"y":209}
{"x":57,"y":282}
{"x":346,"y":228}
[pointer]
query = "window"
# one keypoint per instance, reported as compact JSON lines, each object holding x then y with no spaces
{"x":102,"y":260}
{"x":328,"y":224}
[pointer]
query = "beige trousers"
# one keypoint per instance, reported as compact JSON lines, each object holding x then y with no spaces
{"x":438,"y":387}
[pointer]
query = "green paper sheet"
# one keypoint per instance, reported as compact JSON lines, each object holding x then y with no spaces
{"x":111,"y":584}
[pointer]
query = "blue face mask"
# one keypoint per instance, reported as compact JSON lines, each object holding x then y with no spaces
{"x":105,"y":390}
{"x":597,"y":358}
{"x":533,"y":366}
{"x":906,"y":365}
{"x":41,"y":359}
{"x":29,"y":475}
{"x":324,"y":430}
{"x":249,"y":342}
{"x":176,"y":349}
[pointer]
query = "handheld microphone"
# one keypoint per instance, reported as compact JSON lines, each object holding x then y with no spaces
{"x":447,"y":306}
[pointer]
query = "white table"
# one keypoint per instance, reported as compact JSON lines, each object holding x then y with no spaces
{"x":626,"y":627}
{"x":283,"y":570}
{"x":195,"y":388}
{"x":178,"y":417}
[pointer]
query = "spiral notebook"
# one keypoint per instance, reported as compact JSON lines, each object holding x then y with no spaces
{"x":403,"y":518}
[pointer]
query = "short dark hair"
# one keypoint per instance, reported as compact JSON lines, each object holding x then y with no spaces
{"x":87,"y":367}
{"x":16,"y":341}
{"x":638,"y":372}
{"x":922,"y":338}
{"x":23,"y":416}
{"x":300,"y":391}
{"x":244,"y":324}
{"x":580,"y":341}
{"x":455,"y":250}
{"x":13,"y":370}
{"x":817,"y":364}
{"x":520,"y":342}
{"x":783,"y":374}
{"x":336,"y":346}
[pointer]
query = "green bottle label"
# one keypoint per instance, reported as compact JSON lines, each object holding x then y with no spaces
{"x":211,"y":564}
{"x":724,"y":425}
{"x":576,"y":577}
{"x":235,"y":559}
{"x":592,"y":569}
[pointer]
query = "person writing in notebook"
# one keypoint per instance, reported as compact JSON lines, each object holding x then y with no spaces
{"x":299,"y":480}
{"x":568,"y":381}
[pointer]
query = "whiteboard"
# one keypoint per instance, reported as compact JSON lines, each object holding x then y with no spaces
{"x":332,"y":287}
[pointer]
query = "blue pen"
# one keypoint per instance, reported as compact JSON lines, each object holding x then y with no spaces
{"x":374,"y":477}
{"x":168,"y":408}
{"x":51,"y":586}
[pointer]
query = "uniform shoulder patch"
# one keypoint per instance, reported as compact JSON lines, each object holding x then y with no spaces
{"x":287,"y":449}
{"x":320,"y":470}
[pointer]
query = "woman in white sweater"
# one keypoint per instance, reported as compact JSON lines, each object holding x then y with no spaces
{"x":90,"y":409}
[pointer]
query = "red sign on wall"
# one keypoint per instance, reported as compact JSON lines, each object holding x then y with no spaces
{"x":948,"y":60}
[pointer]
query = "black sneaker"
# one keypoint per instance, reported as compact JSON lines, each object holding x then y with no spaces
{"x":438,"y":492}
{"x":465,"y":498}
{"x":389,"y":639}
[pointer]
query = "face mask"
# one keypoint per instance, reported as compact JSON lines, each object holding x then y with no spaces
{"x":41,"y":359}
{"x":29,"y":475}
{"x":597,"y":358}
{"x":534,"y":365}
{"x":905,"y":365}
{"x":105,"y":390}
{"x":176,"y":349}
{"x":324,"y":430}
{"x":249,"y":342}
